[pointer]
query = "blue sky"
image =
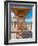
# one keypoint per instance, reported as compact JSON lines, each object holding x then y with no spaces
{"x":28,"y":18}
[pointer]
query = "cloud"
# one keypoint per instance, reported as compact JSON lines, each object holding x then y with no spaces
{"x":28,"y":20}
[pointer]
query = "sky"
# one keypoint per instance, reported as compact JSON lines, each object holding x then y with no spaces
{"x":28,"y":18}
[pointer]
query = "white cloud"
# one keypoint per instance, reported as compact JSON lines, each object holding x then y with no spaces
{"x":12,"y":14}
{"x":28,"y":20}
